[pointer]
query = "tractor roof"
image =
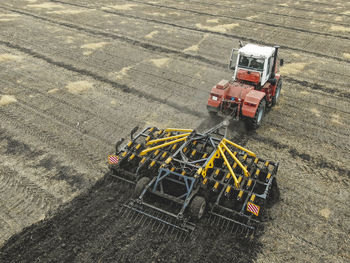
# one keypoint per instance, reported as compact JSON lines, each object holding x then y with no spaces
{"x":257,"y":51}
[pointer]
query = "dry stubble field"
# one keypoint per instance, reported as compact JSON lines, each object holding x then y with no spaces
{"x":77,"y":75}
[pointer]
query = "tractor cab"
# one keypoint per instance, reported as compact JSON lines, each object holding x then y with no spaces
{"x":253,"y":64}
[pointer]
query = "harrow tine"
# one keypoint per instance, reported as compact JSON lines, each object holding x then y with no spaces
{"x":158,"y":226}
{"x":180,"y":234}
{"x":176,"y":234}
{"x":232,"y":228}
{"x":219,"y":222}
{"x":149,"y":221}
{"x":135,"y":216}
{"x":142,"y":217}
{"x":167,"y":229}
{"x":209,"y":219}
{"x":227,"y":225}
{"x":160,"y":231}
{"x":185,"y":238}
{"x":241,"y":230}
{"x":122,"y":211}
{"x":172,"y":230}
{"x":154,"y":224}
{"x":247,"y":233}
{"x":145,"y":221}
{"x":130,"y":213}
{"x":213,"y":221}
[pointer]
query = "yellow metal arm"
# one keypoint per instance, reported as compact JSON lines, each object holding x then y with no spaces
{"x":168,"y":138}
{"x":246,"y":173}
{"x":229,"y":167}
{"x":161,"y":146}
{"x":239,"y":147}
{"x":178,"y":130}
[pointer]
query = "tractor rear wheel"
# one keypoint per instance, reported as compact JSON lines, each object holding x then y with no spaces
{"x":197,"y":207}
{"x":277,"y":93}
{"x":255,"y":122}
{"x":140,"y":185}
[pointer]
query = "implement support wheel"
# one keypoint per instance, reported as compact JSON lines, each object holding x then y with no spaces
{"x":197,"y":207}
{"x":140,"y":185}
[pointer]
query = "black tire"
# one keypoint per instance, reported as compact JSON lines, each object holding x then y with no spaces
{"x":197,"y":207}
{"x":277,"y":93}
{"x":140,"y":185}
{"x":255,"y":122}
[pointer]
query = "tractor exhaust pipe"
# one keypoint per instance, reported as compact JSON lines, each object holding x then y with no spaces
{"x":274,"y":62}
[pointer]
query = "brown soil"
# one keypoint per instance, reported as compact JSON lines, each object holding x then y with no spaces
{"x":78,"y":75}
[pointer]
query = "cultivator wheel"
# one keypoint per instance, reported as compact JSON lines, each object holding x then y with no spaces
{"x":180,"y":174}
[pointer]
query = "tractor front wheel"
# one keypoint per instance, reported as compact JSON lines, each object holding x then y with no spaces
{"x":277,"y":92}
{"x":197,"y":207}
{"x":255,"y":122}
{"x":140,"y":185}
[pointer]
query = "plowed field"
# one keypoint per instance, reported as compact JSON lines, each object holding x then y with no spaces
{"x":75,"y":76}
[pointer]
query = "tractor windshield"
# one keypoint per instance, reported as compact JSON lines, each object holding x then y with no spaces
{"x":251,"y":63}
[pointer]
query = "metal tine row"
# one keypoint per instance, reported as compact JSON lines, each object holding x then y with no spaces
{"x":123,"y":211}
{"x":232,"y":227}
{"x":155,"y":225}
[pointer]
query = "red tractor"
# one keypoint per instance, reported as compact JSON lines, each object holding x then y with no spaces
{"x":255,"y":85}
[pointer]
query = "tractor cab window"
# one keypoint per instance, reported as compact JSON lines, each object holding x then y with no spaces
{"x":251,"y":63}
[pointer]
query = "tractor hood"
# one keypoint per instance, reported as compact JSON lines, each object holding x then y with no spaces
{"x":246,"y":75}
{"x":231,"y":90}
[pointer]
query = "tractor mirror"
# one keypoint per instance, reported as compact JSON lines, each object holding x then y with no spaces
{"x":233,"y":59}
{"x":281,"y":62}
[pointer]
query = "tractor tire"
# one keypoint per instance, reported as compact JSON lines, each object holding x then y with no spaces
{"x":277,"y":93}
{"x":197,"y":207}
{"x":140,"y":186}
{"x":254,"y":123}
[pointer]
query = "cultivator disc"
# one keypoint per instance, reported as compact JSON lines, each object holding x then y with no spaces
{"x":180,"y":172}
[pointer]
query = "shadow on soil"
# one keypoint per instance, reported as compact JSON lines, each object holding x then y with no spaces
{"x":90,"y":229}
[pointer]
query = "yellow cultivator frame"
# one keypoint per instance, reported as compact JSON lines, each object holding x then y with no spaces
{"x":184,"y":166}
{"x":220,"y":152}
{"x":171,"y":139}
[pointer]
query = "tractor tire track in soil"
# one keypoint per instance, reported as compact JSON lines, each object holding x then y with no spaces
{"x":97,"y":77}
{"x":284,"y":6}
{"x":316,"y":162}
{"x":229,"y":17}
{"x":261,"y":11}
{"x":232,"y":36}
{"x":152,"y":47}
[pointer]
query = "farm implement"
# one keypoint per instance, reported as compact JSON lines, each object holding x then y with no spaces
{"x":180,"y":175}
